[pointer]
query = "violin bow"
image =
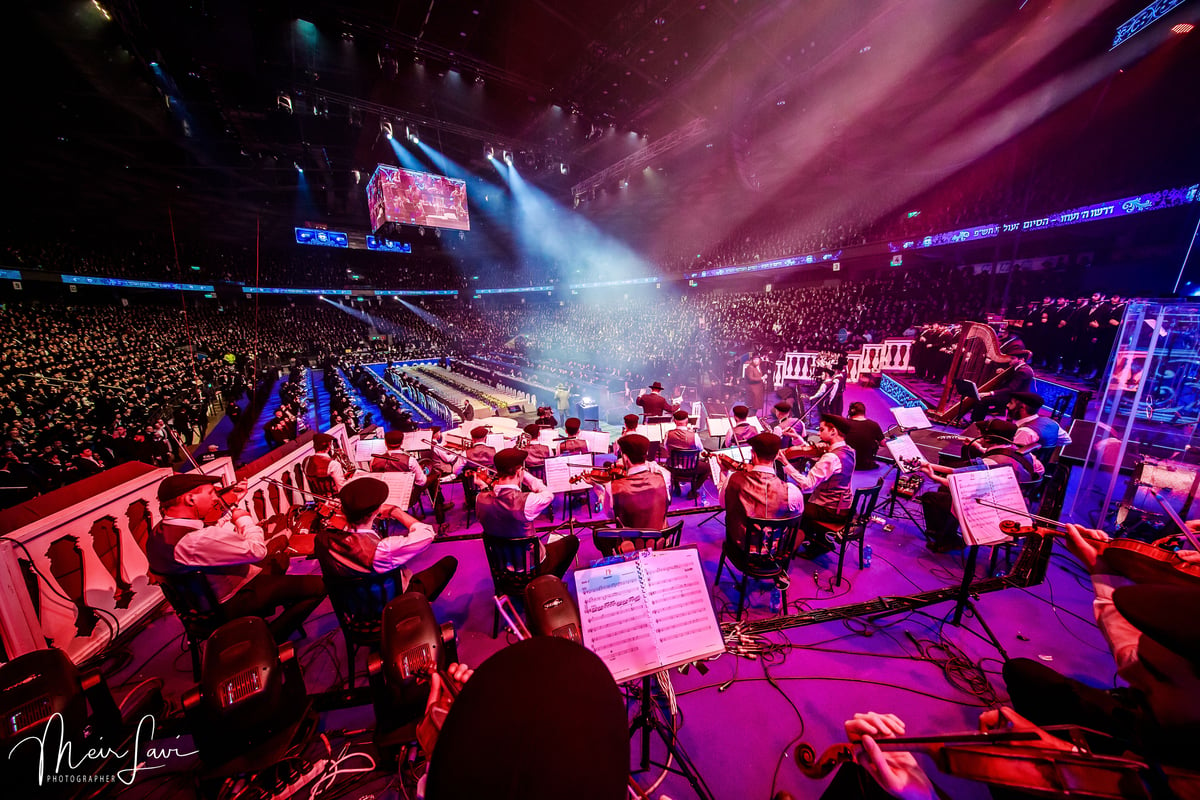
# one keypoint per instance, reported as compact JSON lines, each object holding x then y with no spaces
{"x":1174,"y":516}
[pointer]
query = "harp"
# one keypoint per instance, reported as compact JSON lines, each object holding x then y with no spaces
{"x":978,"y":358}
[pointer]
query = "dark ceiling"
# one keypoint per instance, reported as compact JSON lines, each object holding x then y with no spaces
{"x":179,"y":105}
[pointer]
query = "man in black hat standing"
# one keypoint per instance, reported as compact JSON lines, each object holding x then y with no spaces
{"x":351,"y":545}
{"x":653,"y":403}
{"x":229,"y":551}
{"x":324,"y":472}
{"x":827,"y":483}
{"x":507,"y":512}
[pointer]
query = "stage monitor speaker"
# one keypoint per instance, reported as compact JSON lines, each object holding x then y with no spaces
{"x":551,"y":610}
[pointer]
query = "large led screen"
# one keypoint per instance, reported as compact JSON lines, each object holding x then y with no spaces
{"x":407,"y":197}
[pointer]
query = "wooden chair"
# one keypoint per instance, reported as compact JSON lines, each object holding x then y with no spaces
{"x":855,"y":528}
{"x":764,"y":555}
{"x":513,"y":563}
{"x":685,"y":467}
{"x":609,"y":540}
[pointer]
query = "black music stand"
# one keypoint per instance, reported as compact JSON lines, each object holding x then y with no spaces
{"x":647,"y":722}
{"x":895,"y":501}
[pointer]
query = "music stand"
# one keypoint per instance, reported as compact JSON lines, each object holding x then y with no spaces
{"x":647,"y":722}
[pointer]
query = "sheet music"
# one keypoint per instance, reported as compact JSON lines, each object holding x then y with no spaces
{"x":400,"y":486}
{"x":681,"y":612}
{"x":695,"y":412}
{"x":498,"y":441}
{"x":911,"y":417}
{"x":755,"y":423}
{"x":560,"y":470}
{"x":651,"y":430}
{"x":597,"y":441}
{"x":648,"y":614}
{"x":418,"y":440}
{"x":736,"y":453}
{"x":615,"y":619}
{"x":718,"y":426}
{"x":903,"y":447}
{"x":981,"y":524}
{"x":364,"y":449}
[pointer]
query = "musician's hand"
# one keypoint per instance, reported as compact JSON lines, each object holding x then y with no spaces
{"x":458,"y":674}
{"x":1189,"y":556}
{"x":1083,"y":544}
{"x":1005,"y":718}
{"x":1193,"y":525}
{"x":387,"y":510}
{"x":236,"y":492}
{"x":898,"y":773}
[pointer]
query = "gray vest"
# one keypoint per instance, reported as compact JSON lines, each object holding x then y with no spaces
{"x":834,"y":493}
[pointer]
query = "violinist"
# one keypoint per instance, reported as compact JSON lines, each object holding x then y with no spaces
{"x":788,"y":428}
{"x":323,"y":472}
{"x":997,"y":451}
{"x":1154,"y":634}
{"x":756,"y":492}
{"x":640,"y":499}
{"x":231,"y":551}
{"x":351,"y":545}
{"x":507,"y":512}
{"x":681,"y":437}
{"x":395,"y":459}
{"x":572,"y":444}
{"x":828,"y":485}
{"x":742,"y":430}
{"x":537,"y":452}
{"x":480,"y":452}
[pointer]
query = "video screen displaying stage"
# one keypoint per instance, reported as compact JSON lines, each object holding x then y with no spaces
{"x":406,"y":197}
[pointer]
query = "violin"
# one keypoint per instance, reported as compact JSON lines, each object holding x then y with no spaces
{"x":813,"y":451}
{"x":613,"y":472}
{"x":1138,"y":561}
{"x":1029,"y":760}
{"x":726,"y":461}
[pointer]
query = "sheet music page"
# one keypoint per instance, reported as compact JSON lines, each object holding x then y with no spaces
{"x":652,"y":431}
{"x":400,"y":486}
{"x":615,"y":619}
{"x":364,"y":449}
{"x":597,"y":441}
{"x":560,"y":470}
{"x":911,"y":417}
{"x":718,"y":426}
{"x":498,"y":441}
{"x":681,"y":613}
{"x":755,"y":423}
{"x":981,"y":524}
{"x":903,"y":447}
{"x":695,"y":412}
{"x":418,"y":440}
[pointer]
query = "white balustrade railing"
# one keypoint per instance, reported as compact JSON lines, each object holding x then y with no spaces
{"x":890,"y":355}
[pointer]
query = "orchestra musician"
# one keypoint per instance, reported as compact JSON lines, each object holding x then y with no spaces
{"x":1019,"y":380}
{"x":828,"y":486}
{"x":480,"y":452}
{"x":572,"y":443}
{"x":323,"y":472}
{"x":757,"y":491}
{"x":537,"y":452}
{"x":681,"y":437}
{"x":508,"y":512}
{"x":864,"y":437}
{"x":640,"y":499}
{"x":395,"y":459}
{"x":630,"y":422}
{"x":742,"y":431}
{"x":350,"y":544}
{"x":788,"y":428}
{"x":1034,"y":431}
{"x":246,"y":571}
{"x":653,"y":403}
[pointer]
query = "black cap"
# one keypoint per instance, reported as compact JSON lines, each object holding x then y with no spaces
{"x":1167,"y":614}
{"x":508,"y":459}
{"x":572,"y":425}
{"x":533,"y":429}
{"x":765,"y":445}
{"x":631,"y":420}
{"x":681,"y":415}
{"x":176,"y":485}
{"x":321,"y":440}
{"x":1031,"y":400}
{"x":741,"y":412}
{"x":840,"y":423}
{"x":635,"y":446}
{"x":394,"y":438}
{"x":997,"y":429}
{"x":783,"y":406}
{"x":480,"y":432}
{"x":361,"y":496}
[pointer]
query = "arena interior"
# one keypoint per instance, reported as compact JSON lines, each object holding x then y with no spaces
{"x":646,"y":398}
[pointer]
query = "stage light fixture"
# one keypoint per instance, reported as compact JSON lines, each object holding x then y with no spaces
{"x":284,"y":103}
{"x":563,"y":169}
{"x":385,"y":127}
{"x":1183,"y":27}
{"x":508,"y":157}
{"x":357,"y":177}
{"x":411,"y":134}
{"x":489,"y":152}
{"x":355,"y":115}
{"x":298,"y":167}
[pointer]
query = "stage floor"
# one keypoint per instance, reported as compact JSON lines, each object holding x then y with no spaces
{"x":739,"y":722}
